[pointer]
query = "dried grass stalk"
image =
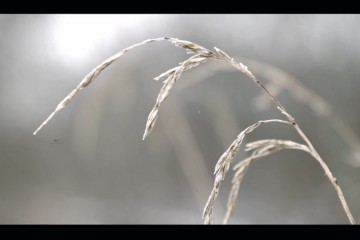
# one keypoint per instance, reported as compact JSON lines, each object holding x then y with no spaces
{"x":223,"y":164}
{"x":170,"y":79}
{"x":260,"y":149}
{"x":280,"y":81}
{"x":201,"y":55}
{"x":91,"y":77}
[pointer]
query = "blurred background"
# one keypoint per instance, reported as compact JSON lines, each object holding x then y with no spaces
{"x":89,"y":164}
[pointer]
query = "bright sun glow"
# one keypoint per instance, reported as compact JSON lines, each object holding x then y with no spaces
{"x":76,"y":36}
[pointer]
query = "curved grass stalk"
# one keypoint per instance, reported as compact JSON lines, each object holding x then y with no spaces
{"x":279,"y":81}
{"x":202,"y":55}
